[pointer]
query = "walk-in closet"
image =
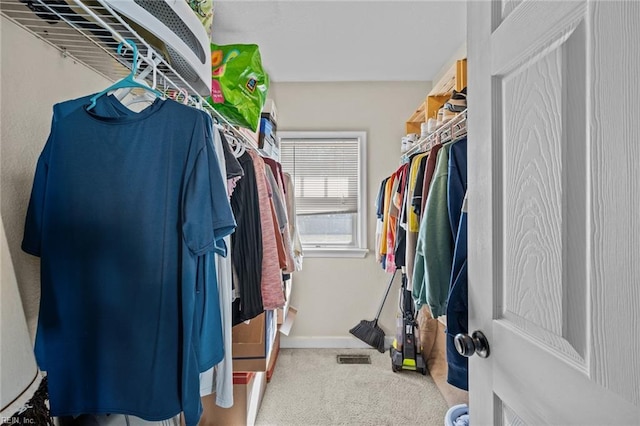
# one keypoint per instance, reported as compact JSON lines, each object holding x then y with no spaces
{"x":273,"y":213}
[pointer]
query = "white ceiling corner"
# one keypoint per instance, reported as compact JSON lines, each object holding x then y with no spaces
{"x":345,"y":40}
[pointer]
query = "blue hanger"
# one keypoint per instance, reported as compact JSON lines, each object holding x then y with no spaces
{"x":129,"y":80}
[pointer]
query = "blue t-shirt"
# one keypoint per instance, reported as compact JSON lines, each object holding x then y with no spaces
{"x":107,"y":106}
{"x":207,"y":330}
{"x":123,"y":207}
{"x":208,"y":318}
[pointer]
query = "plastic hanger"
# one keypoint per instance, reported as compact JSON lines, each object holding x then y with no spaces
{"x":183,"y":92}
{"x":237,"y":147}
{"x":128,"y":81}
{"x":121,"y":94}
{"x":146,"y":96}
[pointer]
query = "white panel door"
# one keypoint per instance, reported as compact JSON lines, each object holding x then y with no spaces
{"x":554,"y":211}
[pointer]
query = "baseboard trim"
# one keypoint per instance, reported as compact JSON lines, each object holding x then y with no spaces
{"x":327,"y":342}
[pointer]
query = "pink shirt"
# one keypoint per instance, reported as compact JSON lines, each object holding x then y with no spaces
{"x":271,"y":284}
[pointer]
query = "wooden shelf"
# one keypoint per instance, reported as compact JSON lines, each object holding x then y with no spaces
{"x":435,"y":102}
{"x":418,"y":117}
{"x":454,"y":78}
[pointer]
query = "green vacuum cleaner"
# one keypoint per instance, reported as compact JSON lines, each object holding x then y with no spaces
{"x":405,"y":350}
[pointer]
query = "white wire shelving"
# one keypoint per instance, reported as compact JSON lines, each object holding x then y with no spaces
{"x":451,"y":130}
{"x":89,"y":32}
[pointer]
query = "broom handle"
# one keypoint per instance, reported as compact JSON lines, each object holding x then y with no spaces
{"x":384,"y":299}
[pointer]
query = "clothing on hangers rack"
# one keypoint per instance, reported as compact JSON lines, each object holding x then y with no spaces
{"x":108,"y":109}
{"x":219,"y":379}
{"x":91,"y":151}
{"x":420,"y":227}
{"x":405,"y":193}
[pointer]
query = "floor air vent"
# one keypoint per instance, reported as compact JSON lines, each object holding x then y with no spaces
{"x":354,"y":359}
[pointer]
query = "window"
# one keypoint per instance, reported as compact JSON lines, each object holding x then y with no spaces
{"x":328,"y":170}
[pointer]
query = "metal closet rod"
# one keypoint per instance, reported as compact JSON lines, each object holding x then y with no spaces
{"x":151,"y":59}
{"x":452,"y":129}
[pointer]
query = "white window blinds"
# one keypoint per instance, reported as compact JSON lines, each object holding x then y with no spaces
{"x":325,"y":173}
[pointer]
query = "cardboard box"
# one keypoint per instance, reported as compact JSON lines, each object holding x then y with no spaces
{"x":252,"y":342}
{"x":249,"y":339}
{"x":248,"y":390}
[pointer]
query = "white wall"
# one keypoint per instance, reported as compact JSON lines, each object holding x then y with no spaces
{"x":34,"y":77}
{"x":333,"y":295}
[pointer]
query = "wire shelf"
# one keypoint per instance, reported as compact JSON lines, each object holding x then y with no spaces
{"x":451,"y":130}
{"x":89,"y":32}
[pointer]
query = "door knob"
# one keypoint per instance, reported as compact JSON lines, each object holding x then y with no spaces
{"x":467,"y":345}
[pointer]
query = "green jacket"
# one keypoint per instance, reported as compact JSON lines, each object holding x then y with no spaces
{"x":434,"y":253}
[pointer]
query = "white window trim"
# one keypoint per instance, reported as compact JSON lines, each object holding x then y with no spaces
{"x":361,"y":250}
{"x":335,"y":252}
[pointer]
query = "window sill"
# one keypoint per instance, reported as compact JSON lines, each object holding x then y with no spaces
{"x":334,"y":252}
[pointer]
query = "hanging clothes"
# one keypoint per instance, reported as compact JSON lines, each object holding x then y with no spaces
{"x":391,"y":219}
{"x":219,"y":379}
{"x":246,"y":245}
{"x":379,"y":206}
{"x":118,"y":276}
{"x":434,"y":252}
{"x":427,"y":324}
{"x":279,"y":204}
{"x":209,"y":307}
{"x":231,"y":163}
{"x":392,"y":214}
{"x":413,"y":222}
{"x":271,"y":286}
{"x":457,"y":309}
{"x":457,"y":183}
{"x":384,"y":244}
{"x":277,"y":198}
{"x":296,"y":244}
{"x":428,"y":177}
{"x":424,"y":177}
{"x":234,"y":169}
{"x":288,"y":245}
{"x":420,"y":185}
{"x":418,"y":207}
{"x":278,"y":214}
{"x":276,"y":169}
{"x":399,"y":243}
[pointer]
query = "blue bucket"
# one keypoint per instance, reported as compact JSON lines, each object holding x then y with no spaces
{"x":454,"y":412}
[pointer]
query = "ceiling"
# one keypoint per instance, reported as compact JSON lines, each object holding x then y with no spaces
{"x":345,"y":40}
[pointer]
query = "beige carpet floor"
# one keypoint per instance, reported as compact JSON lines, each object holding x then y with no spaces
{"x":309,"y":387}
